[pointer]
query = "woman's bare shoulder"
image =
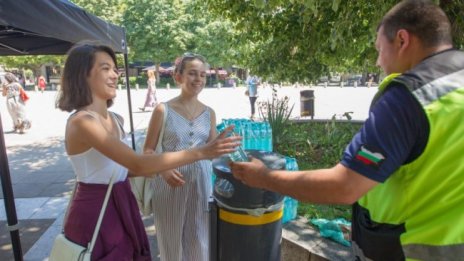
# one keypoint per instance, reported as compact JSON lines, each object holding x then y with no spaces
{"x":82,"y":119}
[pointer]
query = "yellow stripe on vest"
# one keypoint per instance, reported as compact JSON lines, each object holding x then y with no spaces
{"x":248,"y":220}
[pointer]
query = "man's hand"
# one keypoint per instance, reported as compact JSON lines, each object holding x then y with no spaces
{"x":253,"y":173}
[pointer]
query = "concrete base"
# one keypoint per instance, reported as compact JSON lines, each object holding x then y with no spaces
{"x":301,"y":242}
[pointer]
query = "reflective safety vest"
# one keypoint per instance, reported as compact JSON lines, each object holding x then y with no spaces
{"x":418,"y":212}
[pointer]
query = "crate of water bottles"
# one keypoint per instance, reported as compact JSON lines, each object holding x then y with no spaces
{"x":290,"y":204}
{"x":258,"y":136}
{"x":255,"y":135}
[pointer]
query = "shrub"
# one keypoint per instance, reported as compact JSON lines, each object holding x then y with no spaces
{"x":276,"y":112}
{"x":163,"y":81}
{"x":317,"y":145}
{"x":132,"y":81}
{"x":141,"y":80}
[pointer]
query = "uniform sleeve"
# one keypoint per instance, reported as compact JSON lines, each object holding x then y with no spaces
{"x":395,"y":134}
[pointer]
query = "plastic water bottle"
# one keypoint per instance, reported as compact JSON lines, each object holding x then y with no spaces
{"x":255,"y":141}
{"x":263,"y":137}
{"x":246,"y":135}
{"x":290,"y":204}
{"x":239,"y":154}
{"x":268,"y":136}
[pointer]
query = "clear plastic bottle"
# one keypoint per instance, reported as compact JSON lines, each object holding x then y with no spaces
{"x":239,"y":154}
{"x":268,"y":137}
{"x":263,"y":136}
{"x":290,"y":204}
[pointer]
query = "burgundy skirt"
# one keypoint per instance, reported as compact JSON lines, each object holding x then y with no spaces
{"x":122,"y":234}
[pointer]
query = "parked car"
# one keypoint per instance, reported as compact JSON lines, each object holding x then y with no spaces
{"x":323,"y":79}
{"x":354,"y":79}
{"x":335,"y":78}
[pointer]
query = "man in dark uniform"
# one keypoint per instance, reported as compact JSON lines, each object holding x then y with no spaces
{"x":404,"y":170}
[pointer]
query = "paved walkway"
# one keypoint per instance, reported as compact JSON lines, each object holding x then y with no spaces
{"x":42,"y":176}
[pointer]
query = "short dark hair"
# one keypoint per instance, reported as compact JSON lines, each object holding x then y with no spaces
{"x":75,"y":91}
{"x":422,"y":18}
{"x":186,"y":57}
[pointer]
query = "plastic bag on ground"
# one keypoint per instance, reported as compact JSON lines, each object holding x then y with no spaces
{"x":333,"y":229}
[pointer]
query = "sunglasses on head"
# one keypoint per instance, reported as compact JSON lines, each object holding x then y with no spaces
{"x":189,"y":55}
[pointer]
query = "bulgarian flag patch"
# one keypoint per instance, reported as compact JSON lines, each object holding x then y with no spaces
{"x":370,"y":157}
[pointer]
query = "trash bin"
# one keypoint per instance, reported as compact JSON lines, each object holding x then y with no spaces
{"x":246,"y":221}
{"x":307,"y":103}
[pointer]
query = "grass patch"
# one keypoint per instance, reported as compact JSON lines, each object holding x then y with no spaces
{"x":318,"y":145}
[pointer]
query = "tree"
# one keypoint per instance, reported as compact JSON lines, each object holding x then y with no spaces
{"x":31,"y":62}
{"x":163,"y":31}
{"x":108,"y":10}
{"x":154,"y":30}
{"x":213,"y":38}
{"x":299,"y":40}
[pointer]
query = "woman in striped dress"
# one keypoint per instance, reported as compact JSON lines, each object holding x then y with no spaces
{"x":180,"y":200}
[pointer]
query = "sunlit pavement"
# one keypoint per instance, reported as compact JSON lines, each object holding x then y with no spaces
{"x":42,"y":176}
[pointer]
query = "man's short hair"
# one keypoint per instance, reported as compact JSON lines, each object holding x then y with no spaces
{"x":422,"y":18}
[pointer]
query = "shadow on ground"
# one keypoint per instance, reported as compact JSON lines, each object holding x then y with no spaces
{"x":40,"y":169}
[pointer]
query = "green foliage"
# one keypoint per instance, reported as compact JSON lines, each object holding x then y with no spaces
{"x":276,"y":112}
{"x":318,"y":145}
{"x":132,"y":81}
{"x":154,"y":30}
{"x":163,"y":31}
{"x":108,"y":10}
{"x":141,"y":80}
{"x":29,"y":74}
{"x":163,"y":81}
{"x":310,"y":211}
{"x":300,"y":40}
{"x":31,"y":62}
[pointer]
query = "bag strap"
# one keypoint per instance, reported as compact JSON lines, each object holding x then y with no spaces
{"x":100,"y":217}
{"x":159,"y":147}
{"x":69,"y":204}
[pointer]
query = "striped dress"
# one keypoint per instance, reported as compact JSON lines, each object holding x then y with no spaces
{"x":181,"y":213}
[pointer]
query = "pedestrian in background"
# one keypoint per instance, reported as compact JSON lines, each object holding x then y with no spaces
{"x":41,"y":83}
{"x":252,"y":92}
{"x":404,"y":170}
{"x":180,"y":198}
{"x":95,"y":144}
{"x":11,"y":89}
{"x":150,"y":100}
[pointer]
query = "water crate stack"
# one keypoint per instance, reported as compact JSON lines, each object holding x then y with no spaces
{"x":258,"y":136}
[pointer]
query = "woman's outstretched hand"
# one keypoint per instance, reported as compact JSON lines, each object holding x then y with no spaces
{"x":221,"y":144}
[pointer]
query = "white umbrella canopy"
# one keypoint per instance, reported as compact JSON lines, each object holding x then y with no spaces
{"x":149,"y":68}
{"x":220,"y":72}
{"x":161,"y":69}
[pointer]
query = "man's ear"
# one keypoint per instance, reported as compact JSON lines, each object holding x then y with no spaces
{"x":403,"y":39}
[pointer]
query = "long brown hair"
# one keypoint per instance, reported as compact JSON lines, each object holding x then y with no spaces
{"x":75,"y":91}
{"x":151,"y":74}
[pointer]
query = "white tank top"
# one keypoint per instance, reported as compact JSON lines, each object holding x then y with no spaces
{"x":91,"y":166}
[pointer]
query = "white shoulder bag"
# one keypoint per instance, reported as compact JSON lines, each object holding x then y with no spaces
{"x":142,"y":187}
{"x":64,"y":249}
